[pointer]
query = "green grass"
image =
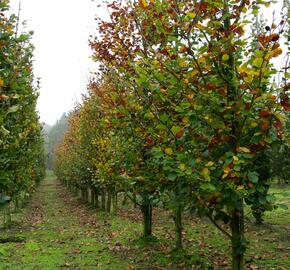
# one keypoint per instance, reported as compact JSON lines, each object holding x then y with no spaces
{"x":60,"y":233}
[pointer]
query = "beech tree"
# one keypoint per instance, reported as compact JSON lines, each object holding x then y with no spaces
{"x":21,"y":142}
{"x":193,"y":66}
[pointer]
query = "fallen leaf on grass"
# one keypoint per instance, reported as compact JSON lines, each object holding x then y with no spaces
{"x":77,"y":251}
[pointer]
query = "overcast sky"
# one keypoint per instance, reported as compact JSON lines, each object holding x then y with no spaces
{"x":62,"y":55}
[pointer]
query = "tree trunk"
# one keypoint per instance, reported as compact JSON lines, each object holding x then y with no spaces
{"x":135,"y":200}
{"x":258,"y":215}
{"x":109,"y":201}
{"x":93,"y":197}
{"x":86,"y":195}
{"x":103,"y":200}
{"x":16,"y":204}
{"x":238,"y":241}
{"x":97,"y":199}
{"x":115,"y":201}
{"x":178,"y":227}
{"x":147,"y":216}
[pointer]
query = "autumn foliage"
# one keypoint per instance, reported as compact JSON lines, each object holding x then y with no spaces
{"x":181,"y":111}
{"x":21,"y":143}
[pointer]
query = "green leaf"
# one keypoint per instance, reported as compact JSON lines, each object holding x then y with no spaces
{"x":4,"y":131}
{"x":258,"y":62}
{"x":271,"y":198}
{"x":164,"y":117}
{"x":253,"y":177}
{"x":191,"y":15}
{"x":207,"y":186}
{"x":13,"y":109}
{"x":161,"y":127}
{"x":149,"y":115}
{"x":4,"y":198}
{"x":283,"y":206}
{"x":225,"y":57}
{"x":175,"y":129}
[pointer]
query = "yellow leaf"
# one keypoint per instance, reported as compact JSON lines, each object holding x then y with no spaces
{"x":244,"y":9}
{"x":235,"y":158}
{"x":242,"y":68}
{"x":169,"y":151}
{"x":240,"y":187}
{"x":201,"y":60}
{"x":227,"y":170}
{"x":9,"y":30}
{"x":258,"y":62}
{"x":183,"y":64}
{"x":1,"y":83}
{"x":279,"y":116}
{"x":253,"y":124}
{"x":225,"y":57}
{"x":144,"y":2}
{"x":276,"y":52}
{"x":194,"y":72}
{"x":243,"y":150}
{"x":209,"y":164}
{"x":199,"y":26}
{"x":185,"y":120}
{"x":191,"y":15}
{"x":155,"y":62}
{"x":182,"y":167}
{"x":224,"y":175}
{"x":248,"y":79}
{"x":205,"y":172}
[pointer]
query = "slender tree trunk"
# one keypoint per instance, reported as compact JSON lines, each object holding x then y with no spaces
{"x":7,"y":217}
{"x":97,"y":199}
{"x":115,"y":201}
{"x":135,"y":200}
{"x":147,"y":216}
{"x":258,"y":215}
{"x":109,"y":201}
{"x":86,"y":195}
{"x":16,"y":204}
{"x":238,"y":240}
{"x":93,"y":197}
{"x":103,"y":200}
{"x":178,"y":227}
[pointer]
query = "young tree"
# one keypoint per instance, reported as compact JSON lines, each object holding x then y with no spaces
{"x":192,"y":65}
{"x":21,"y":142}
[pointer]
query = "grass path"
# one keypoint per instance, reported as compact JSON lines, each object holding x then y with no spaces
{"x":56,"y":236}
{"x":60,"y":233}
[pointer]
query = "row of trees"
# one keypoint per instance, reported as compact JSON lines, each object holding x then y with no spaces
{"x":21,"y":143}
{"x":52,"y":137}
{"x":182,"y":112}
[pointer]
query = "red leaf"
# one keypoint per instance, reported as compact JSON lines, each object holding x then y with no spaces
{"x":150,"y":141}
{"x":179,"y":134}
{"x":285,"y":103}
{"x":277,"y":124}
{"x":264,"y":114}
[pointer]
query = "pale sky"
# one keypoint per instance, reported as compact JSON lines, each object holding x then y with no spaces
{"x":62,"y":55}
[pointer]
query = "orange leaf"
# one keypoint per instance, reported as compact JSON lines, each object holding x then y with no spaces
{"x":264,"y":114}
{"x":179,"y":134}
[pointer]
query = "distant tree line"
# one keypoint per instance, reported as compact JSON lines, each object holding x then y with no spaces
{"x":53,"y":136}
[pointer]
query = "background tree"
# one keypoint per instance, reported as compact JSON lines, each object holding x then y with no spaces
{"x":21,"y":143}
